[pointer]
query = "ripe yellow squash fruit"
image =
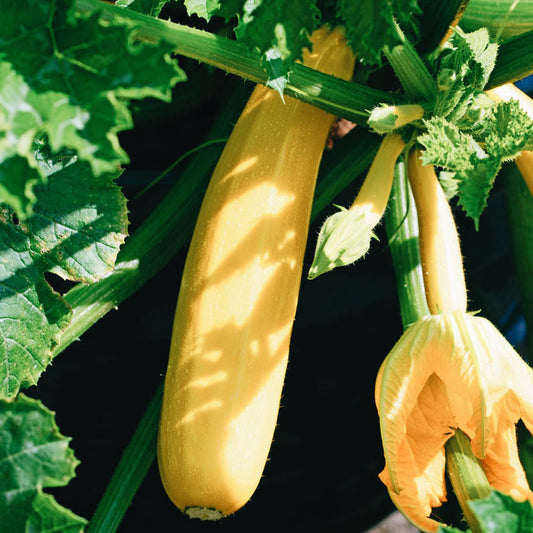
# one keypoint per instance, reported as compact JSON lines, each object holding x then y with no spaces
{"x":238,"y":297}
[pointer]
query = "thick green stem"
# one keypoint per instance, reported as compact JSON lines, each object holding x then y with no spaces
{"x":520,"y":213}
{"x":503,"y":18}
{"x":401,"y":225}
{"x":340,"y":98}
{"x":466,"y":475}
{"x":515,"y":60}
{"x":413,"y":74}
{"x":130,"y":471}
{"x":468,"y":479}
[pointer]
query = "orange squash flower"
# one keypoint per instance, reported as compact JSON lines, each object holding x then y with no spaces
{"x":449,"y":371}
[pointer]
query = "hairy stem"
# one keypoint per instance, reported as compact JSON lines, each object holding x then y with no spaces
{"x":401,"y":225}
{"x":466,"y":475}
{"x":340,"y":98}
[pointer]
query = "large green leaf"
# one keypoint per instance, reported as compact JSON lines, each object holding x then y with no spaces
{"x":498,"y":512}
{"x":33,"y":456}
{"x":371,"y":24}
{"x":31,"y":314}
{"x":70,"y":80}
{"x":78,"y":224}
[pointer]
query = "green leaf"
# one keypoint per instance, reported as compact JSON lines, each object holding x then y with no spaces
{"x":148,"y":7}
{"x":33,"y":456}
{"x":32,"y":315}
{"x":475,"y":185}
{"x":498,"y":512}
{"x":463,"y":69}
{"x":448,"y":529}
{"x":209,"y":8}
{"x":507,"y":130}
{"x":78,"y":224}
{"x":279,"y":30}
{"x":458,"y":152}
{"x":448,"y":147}
{"x":370,"y":24}
{"x":69,"y":79}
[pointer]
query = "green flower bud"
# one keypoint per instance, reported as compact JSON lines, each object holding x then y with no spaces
{"x":446,"y":78}
{"x":343,"y":239}
{"x":387,"y":118}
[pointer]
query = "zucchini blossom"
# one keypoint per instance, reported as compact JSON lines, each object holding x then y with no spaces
{"x":449,"y":371}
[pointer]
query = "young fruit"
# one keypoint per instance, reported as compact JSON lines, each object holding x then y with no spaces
{"x":238,"y":298}
{"x":440,"y":251}
{"x":345,"y":236}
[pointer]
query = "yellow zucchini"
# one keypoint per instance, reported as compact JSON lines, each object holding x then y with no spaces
{"x":440,"y":250}
{"x":238,"y":297}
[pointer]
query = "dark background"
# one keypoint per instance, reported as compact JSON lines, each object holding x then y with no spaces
{"x":324,"y":461}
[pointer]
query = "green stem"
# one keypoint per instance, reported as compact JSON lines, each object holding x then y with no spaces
{"x":515,"y":60}
{"x":413,"y":74}
{"x":401,"y":225}
{"x":132,"y":468}
{"x":520,"y":213}
{"x":467,"y":476}
{"x":340,"y":98}
{"x":503,"y":19}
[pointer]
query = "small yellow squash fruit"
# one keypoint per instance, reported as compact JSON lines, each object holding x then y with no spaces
{"x":238,"y":297}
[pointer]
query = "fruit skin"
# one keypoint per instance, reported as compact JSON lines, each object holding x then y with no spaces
{"x":238,"y":298}
{"x":440,"y":251}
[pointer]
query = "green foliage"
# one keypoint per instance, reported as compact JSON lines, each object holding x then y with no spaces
{"x":33,"y":456}
{"x":70,"y":79}
{"x":149,"y":7}
{"x":277,"y":29}
{"x":463,"y":69}
{"x":33,"y":315}
{"x":75,"y":231}
{"x":371,"y":25}
{"x":476,"y":159}
{"x":498,"y":513}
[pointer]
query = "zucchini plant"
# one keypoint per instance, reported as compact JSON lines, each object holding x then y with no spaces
{"x":424,"y":126}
